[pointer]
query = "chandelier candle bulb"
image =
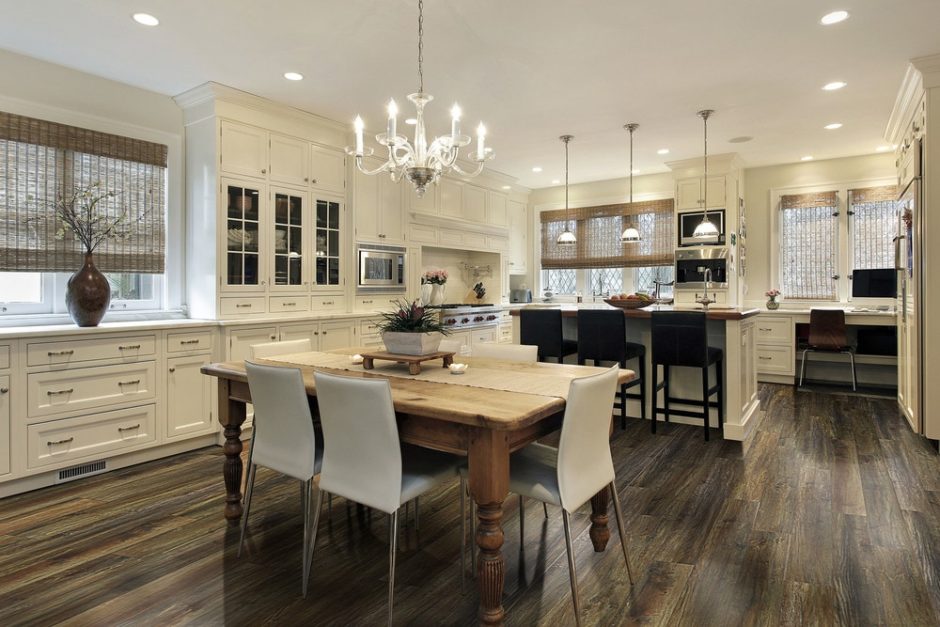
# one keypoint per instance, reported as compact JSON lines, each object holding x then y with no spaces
{"x":481,"y":138}
{"x":392,"y":121}
{"x":455,"y":122}
{"x":359,"y":125}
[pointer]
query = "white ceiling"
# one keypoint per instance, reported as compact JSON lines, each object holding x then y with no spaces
{"x":531,"y":70}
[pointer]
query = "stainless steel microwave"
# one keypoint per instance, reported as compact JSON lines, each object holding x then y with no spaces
{"x":688,"y":220}
{"x":381,"y":268}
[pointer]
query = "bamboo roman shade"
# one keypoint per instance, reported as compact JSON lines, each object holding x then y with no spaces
{"x":598,"y":232}
{"x":808,"y":245}
{"x":874,"y":222}
{"x":41,"y":160}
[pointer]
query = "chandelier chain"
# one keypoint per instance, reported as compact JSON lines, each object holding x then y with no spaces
{"x":420,"y":46}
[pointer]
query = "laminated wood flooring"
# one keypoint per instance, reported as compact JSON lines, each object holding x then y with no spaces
{"x":832,"y":516}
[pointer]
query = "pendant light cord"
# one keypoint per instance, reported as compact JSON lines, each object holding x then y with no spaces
{"x":631,"y":167}
{"x":566,"y":184}
{"x":420,"y":46}
{"x":705,"y":114}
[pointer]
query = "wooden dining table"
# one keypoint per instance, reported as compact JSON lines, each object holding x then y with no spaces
{"x":461,"y":415}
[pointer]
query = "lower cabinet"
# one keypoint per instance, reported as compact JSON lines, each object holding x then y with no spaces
{"x":240,"y":341}
{"x":4,"y":424}
{"x":188,"y":397}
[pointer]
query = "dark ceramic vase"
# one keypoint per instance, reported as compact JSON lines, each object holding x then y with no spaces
{"x":88,"y":295}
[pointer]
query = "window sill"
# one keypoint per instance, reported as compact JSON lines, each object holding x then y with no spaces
{"x":35,"y":320}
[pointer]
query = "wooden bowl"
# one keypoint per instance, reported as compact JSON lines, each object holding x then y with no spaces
{"x":623,"y":303}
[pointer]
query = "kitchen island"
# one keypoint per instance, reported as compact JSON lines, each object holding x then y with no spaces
{"x":732,"y":329}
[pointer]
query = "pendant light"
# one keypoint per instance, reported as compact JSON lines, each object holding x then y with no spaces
{"x":630,"y":234}
{"x":706,"y":228}
{"x":567,"y":237}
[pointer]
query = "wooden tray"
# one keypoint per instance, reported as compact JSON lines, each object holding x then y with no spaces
{"x":414,"y":361}
{"x":628,"y":304}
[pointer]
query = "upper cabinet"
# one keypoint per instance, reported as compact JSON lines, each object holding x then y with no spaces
{"x":690,"y":193}
{"x":518,"y":237}
{"x":451,"y":198}
{"x":496,"y":209}
{"x":327,"y":169}
{"x":244,"y":149}
{"x":474,"y":203}
{"x":377,"y":207}
{"x":288,"y":160}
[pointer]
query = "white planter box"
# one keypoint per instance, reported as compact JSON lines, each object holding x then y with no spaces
{"x":411,"y":343}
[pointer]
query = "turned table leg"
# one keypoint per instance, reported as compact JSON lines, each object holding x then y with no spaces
{"x":599,"y":532}
{"x":488,"y":459}
{"x":231,"y":415}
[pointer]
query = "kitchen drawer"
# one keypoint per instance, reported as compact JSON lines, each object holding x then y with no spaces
{"x":4,"y":357}
{"x":70,"y":439}
{"x":77,"y":389}
{"x":369,"y":327}
{"x":68,"y":352}
{"x":378,"y":302}
{"x":481,"y":336}
{"x":505,"y":334}
{"x":185,"y":342}
{"x":280,"y":304}
{"x":327,"y":303}
{"x":775,"y":359}
{"x":774,"y":330}
{"x":242,"y":306}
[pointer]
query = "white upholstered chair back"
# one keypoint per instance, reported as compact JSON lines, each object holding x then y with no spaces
{"x":507,"y":352}
{"x":270,"y":349}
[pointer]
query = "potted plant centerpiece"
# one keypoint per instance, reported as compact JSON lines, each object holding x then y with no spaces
{"x":411,"y":329}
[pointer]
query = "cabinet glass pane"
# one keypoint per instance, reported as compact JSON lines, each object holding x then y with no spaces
{"x":327,"y":243}
{"x":288,"y":239}
{"x":242,"y":236}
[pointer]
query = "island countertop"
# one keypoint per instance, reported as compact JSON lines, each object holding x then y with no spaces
{"x":717,"y":313}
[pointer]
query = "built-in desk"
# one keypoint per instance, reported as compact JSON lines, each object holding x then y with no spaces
{"x":782,"y":333}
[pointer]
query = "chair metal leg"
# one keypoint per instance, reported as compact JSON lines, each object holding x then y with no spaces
{"x":329,"y":506}
{"x":313,"y":533}
{"x":705,"y":411}
{"x":571,"y":572}
{"x":620,"y":528}
{"x":666,"y":392}
{"x":854,"y":381}
{"x":642,"y":372}
{"x":305,"y":501}
{"x":392,"y":549}
{"x":623,"y":408}
{"x":545,"y":509}
{"x":247,"y":506}
{"x":803,"y":366}
{"x":521,"y":522}
{"x":251,"y":452}
{"x":654,"y":383}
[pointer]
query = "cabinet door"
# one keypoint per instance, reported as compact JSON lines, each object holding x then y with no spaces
{"x":188,"y":400}
{"x":366,"y":208}
{"x":5,"y":424}
{"x":451,"y":198}
{"x":518,"y":237}
{"x":328,"y":169}
{"x":716,"y":192}
{"x":429,"y":203}
{"x":243,"y":264}
{"x":689,"y":193}
{"x":244,"y":149}
{"x":391,"y":212}
{"x":287,"y":243}
{"x":301,"y":332}
{"x":240,"y":340}
{"x":474,"y":203}
{"x":288,"y":160}
{"x":327,"y":245}
{"x":496,"y":209}
{"x":335,"y":335}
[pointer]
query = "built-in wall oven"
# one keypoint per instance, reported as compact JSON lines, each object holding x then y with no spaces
{"x":381,"y":268}
{"x":691,"y":264}
{"x":688,"y":220}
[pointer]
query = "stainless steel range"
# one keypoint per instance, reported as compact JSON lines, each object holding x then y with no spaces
{"x":457,"y":316}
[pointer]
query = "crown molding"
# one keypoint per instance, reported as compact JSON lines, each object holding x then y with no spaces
{"x":909,"y":94}
{"x":929,"y":67}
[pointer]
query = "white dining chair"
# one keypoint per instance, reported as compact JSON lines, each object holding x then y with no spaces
{"x":365,"y":461}
{"x":286,"y":347}
{"x":507,"y":352}
{"x":284,"y":440}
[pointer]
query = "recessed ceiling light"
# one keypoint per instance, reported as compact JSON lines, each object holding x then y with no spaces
{"x":556,"y":182}
{"x":411,"y":121}
{"x":834,"y":18}
{"x":293,"y":76}
{"x":834,"y":85}
{"x":507,"y":186}
{"x":662,"y":151}
{"x":536,"y":169}
{"x":146,"y":19}
{"x":833,"y":126}
{"x":807,"y":158}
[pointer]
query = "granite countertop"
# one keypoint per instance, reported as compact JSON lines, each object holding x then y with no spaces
{"x":720,"y":312}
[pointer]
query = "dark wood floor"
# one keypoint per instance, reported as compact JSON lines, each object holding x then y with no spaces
{"x":831,"y":517}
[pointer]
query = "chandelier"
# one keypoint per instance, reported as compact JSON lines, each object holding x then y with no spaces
{"x":567,"y":237}
{"x":706,"y":228}
{"x":417,"y":161}
{"x":631,"y":234}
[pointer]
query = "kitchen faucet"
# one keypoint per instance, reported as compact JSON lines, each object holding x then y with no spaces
{"x":705,"y":301}
{"x":659,"y":285}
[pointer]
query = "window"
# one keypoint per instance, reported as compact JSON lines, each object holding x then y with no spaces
{"x":606,"y":280}
{"x":591,"y":282}
{"x":644,"y":279}
{"x":561,"y":281}
{"x":826,"y":233}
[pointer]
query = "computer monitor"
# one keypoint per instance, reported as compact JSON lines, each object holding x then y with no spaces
{"x":878,"y":283}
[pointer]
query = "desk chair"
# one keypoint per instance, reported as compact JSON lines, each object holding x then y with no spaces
{"x":680,"y":339}
{"x":827,"y":335}
{"x":602,"y":338}
{"x":283,"y":441}
{"x":543,"y":328}
{"x":365,"y":460}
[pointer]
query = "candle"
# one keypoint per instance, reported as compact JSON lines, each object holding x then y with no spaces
{"x":392,"y":121}
{"x":455,"y":122}
{"x":358,"y":124}
{"x":481,"y":135}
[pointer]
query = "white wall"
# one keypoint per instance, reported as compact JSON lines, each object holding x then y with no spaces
{"x":43,"y":90}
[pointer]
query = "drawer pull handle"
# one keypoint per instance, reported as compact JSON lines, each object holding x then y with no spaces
{"x":129,"y":347}
{"x":189,"y":342}
{"x":58,"y":392}
{"x":367,"y":302}
{"x":61,"y":353}
{"x":134,"y":382}
{"x":765,"y":358}
{"x":327,"y":302}
{"x":172,"y":369}
{"x":290,"y":304}
{"x":240,"y":305}
{"x":763,"y":329}
{"x":65,"y":441}
{"x":4,"y":390}
{"x":123,"y":429}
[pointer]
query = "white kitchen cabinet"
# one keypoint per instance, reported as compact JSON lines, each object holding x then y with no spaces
{"x":428,"y":204}
{"x":244,"y":211}
{"x":690,"y":193}
{"x":486,"y":335}
{"x":287,"y":240}
{"x":327,"y":169}
{"x":239,"y":341}
{"x":518,"y":237}
{"x":244,"y":149}
{"x":497,"y":209}
{"x":474,"y":203}
{"x":338,"y":334}
{"x":188,"y":400}
{"x":289,"y":160}
{"x":329,"y":219}
{"x":451,"y":198}
{"x":378,"y":207}
{"x":5,"y":424}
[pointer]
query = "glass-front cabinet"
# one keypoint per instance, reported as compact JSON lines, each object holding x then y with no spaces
{"x":243,"y":261}
{"x":289,"y":221}
{"x":327,"y":248}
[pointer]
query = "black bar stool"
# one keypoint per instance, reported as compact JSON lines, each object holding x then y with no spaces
{"x":680,"y":338}
{"x":602,"y":337}
{"x":542,"y":328}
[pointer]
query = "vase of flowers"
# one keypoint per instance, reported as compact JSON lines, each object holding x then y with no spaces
{"x":437,"y":279}
{"x":411,"y":329}
{"x":772,"y":295}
